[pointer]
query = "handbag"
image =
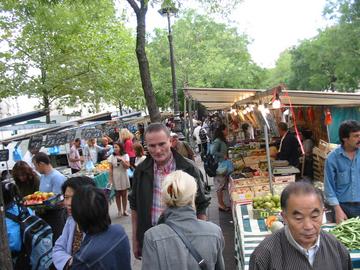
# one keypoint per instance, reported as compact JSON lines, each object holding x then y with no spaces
{"x":201,"y":262}
{"x":226,"y":167}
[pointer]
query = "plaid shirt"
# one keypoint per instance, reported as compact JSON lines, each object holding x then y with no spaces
{"x":160,"y":172}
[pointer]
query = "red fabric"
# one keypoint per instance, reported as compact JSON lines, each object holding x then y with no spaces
{"x":328,"y":118}
{"x":128,"y":148}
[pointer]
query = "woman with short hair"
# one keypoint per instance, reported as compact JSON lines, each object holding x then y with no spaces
{"x":71,"y":237}
{"x":105,"y":246}
{"x":163,"y":249}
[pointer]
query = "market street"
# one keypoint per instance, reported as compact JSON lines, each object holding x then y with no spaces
{"x":223,"y":219}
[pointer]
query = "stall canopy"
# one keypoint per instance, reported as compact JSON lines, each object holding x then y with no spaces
{"x":219,"y":98}
{"x":96,"y":117}
{"x":224,"y":98}
{"x":22,"y":117}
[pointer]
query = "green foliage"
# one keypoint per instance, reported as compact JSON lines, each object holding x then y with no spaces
{"x":331,"y":60}
{"x":66,"y":51}
{"x":207,"y":54}
{"x":281,"y":73}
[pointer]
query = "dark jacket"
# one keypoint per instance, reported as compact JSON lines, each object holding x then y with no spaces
{"x":276,"y":252}
{"x":141,"y":196}
{"x":290,"y":150}
{"x":104,"y":251}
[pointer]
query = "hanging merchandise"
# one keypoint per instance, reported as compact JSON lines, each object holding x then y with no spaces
{"x":328,"y":118}
{"x":310,"y":114}
{"x":300,"y":114}
{"x":295,"y":126}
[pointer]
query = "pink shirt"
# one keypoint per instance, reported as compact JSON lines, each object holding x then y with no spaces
{"x":74,"y":154}
{"x":128,"y":148}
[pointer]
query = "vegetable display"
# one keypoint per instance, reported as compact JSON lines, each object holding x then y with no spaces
{"x":348,"y":233}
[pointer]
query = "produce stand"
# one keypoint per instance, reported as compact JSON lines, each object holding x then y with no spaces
{"x":308,"y":109}
{"x":249,"y":232}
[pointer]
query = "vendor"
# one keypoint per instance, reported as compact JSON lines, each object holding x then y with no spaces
{"x":289,"y":146}
{"x":342,"y":173}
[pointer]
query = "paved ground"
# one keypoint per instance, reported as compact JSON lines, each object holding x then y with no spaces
{"x":224,"y":220}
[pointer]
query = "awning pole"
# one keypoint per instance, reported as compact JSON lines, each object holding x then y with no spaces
{"x":191,"y":122}
{"x":266,"y":133}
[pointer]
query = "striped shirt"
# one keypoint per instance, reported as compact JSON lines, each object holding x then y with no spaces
{"x":309,"y":253}
{"x":160,"y":172}
{"x":276,"y":253}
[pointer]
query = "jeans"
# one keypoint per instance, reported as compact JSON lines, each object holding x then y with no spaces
{"x":351,"y":209}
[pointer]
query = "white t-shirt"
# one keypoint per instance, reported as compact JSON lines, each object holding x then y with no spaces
{"x":196,"y":134}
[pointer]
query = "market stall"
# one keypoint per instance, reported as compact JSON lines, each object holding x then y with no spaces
{"x":256,"y":178}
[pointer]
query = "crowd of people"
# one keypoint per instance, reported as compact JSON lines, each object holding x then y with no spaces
{"x":168,"y":204}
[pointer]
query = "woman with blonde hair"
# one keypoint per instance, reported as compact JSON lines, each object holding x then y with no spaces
{"x":126,"y":138}
{"x":180,"y":240}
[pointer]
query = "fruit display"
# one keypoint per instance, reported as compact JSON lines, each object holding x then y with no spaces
{"x":37,"y":198}
{"x":267,"y":202}
{"x":103,"y":166}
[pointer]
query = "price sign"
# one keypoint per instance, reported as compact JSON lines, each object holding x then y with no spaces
{"x":54,"y":139}
{"x":71,"y":135}
{"x":90,"y":133}
{"x":4,"y":155}
{"x":35,"y":142}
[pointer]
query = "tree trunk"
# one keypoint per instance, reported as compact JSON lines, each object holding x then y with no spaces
{"x":46,"y":102}
{"x":120,"y":107}
{"x":5,"y":256}
{"x":144,"y":66}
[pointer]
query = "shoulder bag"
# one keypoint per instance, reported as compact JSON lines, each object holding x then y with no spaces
{"x":201,"y":262}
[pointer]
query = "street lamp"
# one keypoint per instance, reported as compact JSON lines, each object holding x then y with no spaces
{"x":167,"y":11}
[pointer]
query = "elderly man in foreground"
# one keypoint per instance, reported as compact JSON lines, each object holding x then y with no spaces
{"x":301,"y":244}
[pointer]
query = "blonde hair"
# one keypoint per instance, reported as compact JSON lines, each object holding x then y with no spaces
{"x":125,"y":134}
{"x":179,"y":189}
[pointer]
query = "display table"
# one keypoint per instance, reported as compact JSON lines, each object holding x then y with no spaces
{"x":101,"y":181}
{"x":250,"y":232}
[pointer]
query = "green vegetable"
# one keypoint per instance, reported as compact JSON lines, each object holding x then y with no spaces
{"x":348,"y":233}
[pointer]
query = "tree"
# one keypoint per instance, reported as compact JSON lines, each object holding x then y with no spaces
{"x":65,"y":51}
{"x":140,"y":10}
{"x":331,"y":59}
{"x":281,"y":73}
{"x":208,"y":54}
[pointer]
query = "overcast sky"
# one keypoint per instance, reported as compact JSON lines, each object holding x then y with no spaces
{"x":272,"y":25}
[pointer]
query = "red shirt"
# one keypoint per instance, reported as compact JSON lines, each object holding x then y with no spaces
{"x":128,"y":148}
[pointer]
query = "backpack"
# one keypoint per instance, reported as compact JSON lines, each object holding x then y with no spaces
{"x":36,"y":237}
{"x":210,"y":165}
{"x":203,"y":135}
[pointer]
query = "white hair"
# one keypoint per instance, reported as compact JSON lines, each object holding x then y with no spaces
{"x":179,"y":189}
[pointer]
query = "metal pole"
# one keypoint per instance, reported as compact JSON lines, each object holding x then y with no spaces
{"x":268,"y":157}
{"x":172,"y":64}
{"x":191,"y":122}
{"x":186,"y":122}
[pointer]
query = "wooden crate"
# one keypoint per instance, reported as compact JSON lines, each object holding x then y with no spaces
{"x":319,"y":158}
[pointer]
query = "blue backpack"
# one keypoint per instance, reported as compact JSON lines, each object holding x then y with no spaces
{"x":36,"y":237}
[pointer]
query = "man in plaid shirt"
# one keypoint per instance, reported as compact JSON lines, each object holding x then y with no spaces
{"x":145,"y":197}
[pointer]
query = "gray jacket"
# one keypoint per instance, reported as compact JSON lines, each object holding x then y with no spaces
{"x":164,"y":250}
